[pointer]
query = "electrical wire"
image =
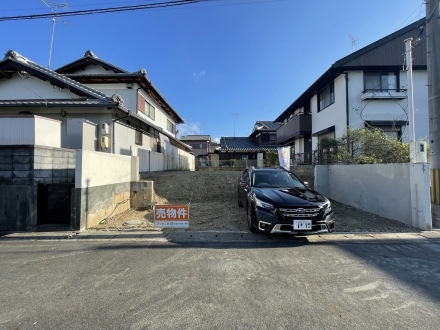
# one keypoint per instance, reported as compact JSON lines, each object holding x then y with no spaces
{"x":104,"y":10}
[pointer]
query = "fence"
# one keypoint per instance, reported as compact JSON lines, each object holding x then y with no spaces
{"x":151,"y":161}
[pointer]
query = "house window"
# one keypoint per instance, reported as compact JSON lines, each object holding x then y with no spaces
{"x":381,"y":81}
{"x":272,"y":137}
{"x":138,"y":138}
{"x":170,"y":126}
{"x":326,"y":97}
{"x":149,"y":110}
{"x":392,"y":131}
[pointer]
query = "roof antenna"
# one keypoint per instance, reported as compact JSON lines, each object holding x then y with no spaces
{"x":235,"y":115}
{"x":353,"y":42}
{"x":53,"y":8}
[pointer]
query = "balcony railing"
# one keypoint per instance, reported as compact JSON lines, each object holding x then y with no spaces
{"x":298,"y":125}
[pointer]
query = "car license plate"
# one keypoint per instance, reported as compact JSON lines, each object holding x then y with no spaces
{"x":302,"y":224}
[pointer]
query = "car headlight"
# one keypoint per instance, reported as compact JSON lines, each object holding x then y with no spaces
{"x":327,"y":207}
{"x":264,"y":205}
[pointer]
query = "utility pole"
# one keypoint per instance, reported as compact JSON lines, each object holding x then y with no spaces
{"x":409,"y":76}
{"x":433,"y":71}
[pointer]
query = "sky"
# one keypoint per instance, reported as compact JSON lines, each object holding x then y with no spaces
{"x":222,"y":64}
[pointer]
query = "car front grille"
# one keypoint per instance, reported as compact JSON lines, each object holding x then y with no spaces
{"x":299,"y":212}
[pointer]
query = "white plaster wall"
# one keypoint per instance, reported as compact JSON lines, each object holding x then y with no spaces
{"x":20,"y":131}
{"x":334,"y":114}
{"x":18,"y":88}
{"x":47,"y":132}
{"x":93,"y":69}
{"x":30,"y":131}
{"x":130,"y":100}
{"x":125,"y":139}
{"x":389,"y":109}
{"x":394,"y":191}
{"x":97,"y":169}
{"x":161,"y":116}
{"x":299,"y":146}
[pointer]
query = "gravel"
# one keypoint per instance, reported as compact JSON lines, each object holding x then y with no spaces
{"x":213,"y":207}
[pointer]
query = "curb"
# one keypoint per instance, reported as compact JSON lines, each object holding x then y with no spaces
{"x":219,"y":237}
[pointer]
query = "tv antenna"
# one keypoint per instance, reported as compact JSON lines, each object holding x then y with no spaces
{"x":53,"y":6}
{"x":353,"y":42}
{"x":235,"y":115}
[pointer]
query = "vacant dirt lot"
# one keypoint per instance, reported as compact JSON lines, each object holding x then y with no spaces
{"x":213,"y":206}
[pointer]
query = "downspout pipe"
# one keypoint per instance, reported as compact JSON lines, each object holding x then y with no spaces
{"x":347,"y":109}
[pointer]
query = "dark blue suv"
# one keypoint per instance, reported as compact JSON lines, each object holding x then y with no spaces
{"x":277,"y":201}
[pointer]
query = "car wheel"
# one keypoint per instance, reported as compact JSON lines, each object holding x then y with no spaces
{"x":251,"y":220}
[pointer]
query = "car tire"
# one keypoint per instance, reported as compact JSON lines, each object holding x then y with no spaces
{"x":250,"y":217}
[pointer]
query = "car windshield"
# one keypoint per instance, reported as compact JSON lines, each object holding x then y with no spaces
{"x":275,"y":179}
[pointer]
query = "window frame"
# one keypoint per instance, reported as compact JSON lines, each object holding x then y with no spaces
{"x":382,"y":90}
{"x":170,"y":125}
{"x":332,"y":96}
{"x":151,"y":112}
{"x":138,"y":137}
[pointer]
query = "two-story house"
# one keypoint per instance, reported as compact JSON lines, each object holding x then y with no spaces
{"x":200,"y":145}
{"x":250,"y":150}
{"x":101,"y":107}
{"x":367,"y":88}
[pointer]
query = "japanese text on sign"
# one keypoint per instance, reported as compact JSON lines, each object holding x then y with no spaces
{"x":171,"y":216}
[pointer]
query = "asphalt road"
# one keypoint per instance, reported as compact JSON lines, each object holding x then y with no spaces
{"x":194,"y":285}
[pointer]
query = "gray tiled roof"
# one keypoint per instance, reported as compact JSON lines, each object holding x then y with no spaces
{"x":244,"y":144}
{"x":263,"y":125}
{"x":90,"y":58}
{"x":64,"y":102}
{"x":64,"y":81}
{"x":196,"y":138}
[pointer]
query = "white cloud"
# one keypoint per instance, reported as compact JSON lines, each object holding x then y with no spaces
{"x":188,"y":129}
{"x":199,"y":75}
{"x":216,"y":140}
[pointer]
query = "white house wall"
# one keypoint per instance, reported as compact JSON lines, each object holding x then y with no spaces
{"x":18,"y":88}
{"x":334,"y":114}
{"x":389,"y":109}
{"x":130,"y":100}
{"x":93,"y":69}
{"x":161,"y":116}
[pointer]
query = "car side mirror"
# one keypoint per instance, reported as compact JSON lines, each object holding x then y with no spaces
{"x":243,"y":183}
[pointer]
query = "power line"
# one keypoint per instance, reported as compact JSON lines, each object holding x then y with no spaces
{"x":103,"y":10}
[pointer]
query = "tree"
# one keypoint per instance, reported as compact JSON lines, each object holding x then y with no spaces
{"x":271,"y":158}
{"x":364,"y":146}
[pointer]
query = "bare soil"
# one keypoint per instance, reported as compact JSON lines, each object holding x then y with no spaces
{"x":213,"y":206}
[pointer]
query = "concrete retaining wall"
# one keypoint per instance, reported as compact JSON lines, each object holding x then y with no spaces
{"x":105,"y":185}
{"x":394,"y":191}
{"x":21,"y":169}
{"x":305,"y":173}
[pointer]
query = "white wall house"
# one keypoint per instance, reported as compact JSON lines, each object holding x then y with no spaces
{"x":112,"y":110}
{"x":367,"y":88}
